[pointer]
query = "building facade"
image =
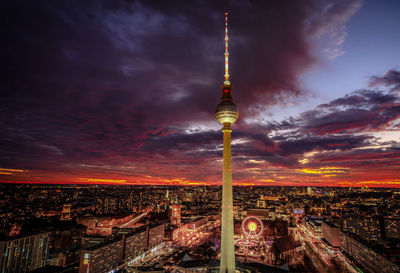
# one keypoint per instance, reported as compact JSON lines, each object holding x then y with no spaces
{"x":106,"y":256}
{"x":101,"y":258}
{"x":135,"y":243}
{"x":330,"y":233}
{"x":369,"y":259}
{"x":368,"y":228}
{"x":24,"y":253}
{"x":176,"y":215}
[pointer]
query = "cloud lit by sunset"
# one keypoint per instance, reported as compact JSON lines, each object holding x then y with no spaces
{"x":110,"y":94}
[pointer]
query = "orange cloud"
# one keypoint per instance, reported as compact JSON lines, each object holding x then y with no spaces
{"x":324,"y":170}
{"x":101,"y":180}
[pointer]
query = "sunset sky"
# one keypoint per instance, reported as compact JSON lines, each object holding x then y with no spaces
{"x":124,"y":92}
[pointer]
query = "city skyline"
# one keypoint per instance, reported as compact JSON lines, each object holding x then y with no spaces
{"x":124,"y":94}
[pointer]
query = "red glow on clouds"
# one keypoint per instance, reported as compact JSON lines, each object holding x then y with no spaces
{"x":126,"y":121}
{"x":306,"y":177}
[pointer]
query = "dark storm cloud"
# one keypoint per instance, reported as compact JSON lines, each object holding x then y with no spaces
{"x":285,"y":151}
{"x":390,"y":79}
{"x":324,"y":143}
{"x":344,"y":126}
{"x":115,"y":83}
{"x":382,"y":157}
{"x":93,"y":80}
{"x":362,"y":110}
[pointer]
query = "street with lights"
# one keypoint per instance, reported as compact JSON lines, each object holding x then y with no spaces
{"x":324,"y":257}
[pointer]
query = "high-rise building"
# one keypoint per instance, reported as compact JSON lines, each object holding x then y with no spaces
{"x":101,"y":258}
{"x":156,"y":235}
{"x":105,"y":257}
{"x":24,"y":253}
{"x":176,"y":215}
{"x":368,"y":258}
{"x":135,"y":243}
{"x":368,"y":228}
{"x":226,"y":113}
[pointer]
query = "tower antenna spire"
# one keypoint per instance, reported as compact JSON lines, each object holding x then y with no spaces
{"x":226,"y":50}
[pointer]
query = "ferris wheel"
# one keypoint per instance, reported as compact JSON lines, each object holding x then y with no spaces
{"x":252,"y":227}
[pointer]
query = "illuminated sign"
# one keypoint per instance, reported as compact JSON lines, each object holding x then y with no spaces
{"x":298,"y":211}
{"x":86,"y":258}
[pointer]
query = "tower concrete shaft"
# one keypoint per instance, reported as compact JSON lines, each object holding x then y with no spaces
{"x":227,"y":242}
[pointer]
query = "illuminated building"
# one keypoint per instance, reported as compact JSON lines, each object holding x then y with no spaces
{"x":330,"y":233}
{"x":57,"y":258}
{"x":392,"y":227}
{"x":226,"y":114}
{"x":176,"y":215}
{"x":372,"y":228}
{"x":236,"y":212}
{"x":298,"y":211}
{"x":106,"y":256}
{"x":135,"y":243}
{"x":24,"y":253}
{"x":314,"y":225}
{"x":260,"y":203}
{"x":365,"y":255}
{"x":211,"y":266}
{"x":101,"y":258}
{"x":189,"y":230}
{"x":368,"y":228}
{"x":90,"y":240}
{"x":155,"y":235}
{"x":263,"y":214}
{"x":103,"y":225}
{"x":66,"y":212}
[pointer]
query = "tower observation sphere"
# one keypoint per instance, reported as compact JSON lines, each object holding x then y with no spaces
{"x":226,"y":112}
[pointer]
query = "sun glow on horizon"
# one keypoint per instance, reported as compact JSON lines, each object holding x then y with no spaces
{"x":101,"y":180}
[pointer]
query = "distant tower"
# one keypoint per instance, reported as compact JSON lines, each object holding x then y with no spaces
{"x":66,"y":212}
{"x":176,"y":215}
{"x":292,"y":229}
{"x":227,"y":114}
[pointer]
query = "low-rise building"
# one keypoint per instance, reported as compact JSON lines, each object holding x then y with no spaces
{"x":330,"y":233}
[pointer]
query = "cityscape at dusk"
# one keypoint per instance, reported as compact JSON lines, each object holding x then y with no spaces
{"x":200,"y":136}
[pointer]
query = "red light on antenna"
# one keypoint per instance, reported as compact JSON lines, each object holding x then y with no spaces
{"x":226,"y":14}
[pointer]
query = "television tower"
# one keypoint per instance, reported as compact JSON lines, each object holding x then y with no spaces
{"x":226,"y":113}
